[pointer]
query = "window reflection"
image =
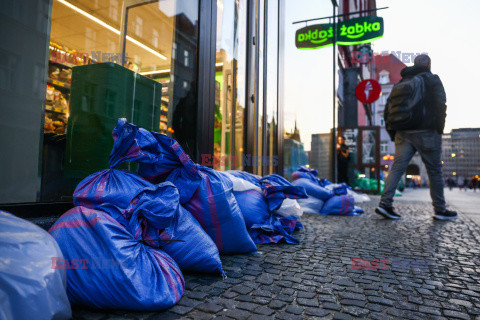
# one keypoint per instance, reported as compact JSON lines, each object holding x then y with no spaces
{"x":272,"y":88}
{"x":230,"y":85}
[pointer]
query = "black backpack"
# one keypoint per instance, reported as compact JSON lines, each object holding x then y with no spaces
{"x":405,"y":107}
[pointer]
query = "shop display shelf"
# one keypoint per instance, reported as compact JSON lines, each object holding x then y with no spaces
{"x":54,"y":109}
{"x":59,"y":84}
{"x":62,"y":65}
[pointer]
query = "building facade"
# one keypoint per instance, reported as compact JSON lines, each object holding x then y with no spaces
{"x":294,"y":154}
{"x":461,"y":153}
{"x":387,"y":72}
{"x":352,"y":70}
{"x":196,"y":70}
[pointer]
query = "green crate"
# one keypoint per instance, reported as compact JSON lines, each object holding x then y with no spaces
{"x":100,"y":94}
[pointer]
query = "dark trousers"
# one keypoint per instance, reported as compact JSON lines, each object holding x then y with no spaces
{"x":342,"y":172}
{"x":429,"y":144}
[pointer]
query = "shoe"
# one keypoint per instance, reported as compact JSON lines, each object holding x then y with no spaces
{"x":447,"y":215}
{"x":387,"y":212}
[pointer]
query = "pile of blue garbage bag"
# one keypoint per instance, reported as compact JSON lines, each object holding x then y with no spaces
{"x":324,"y":197}
{"x":259,"y":199}
{"x":131,"y":235}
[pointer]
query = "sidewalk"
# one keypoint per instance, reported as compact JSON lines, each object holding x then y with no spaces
{"x":433,"y":272}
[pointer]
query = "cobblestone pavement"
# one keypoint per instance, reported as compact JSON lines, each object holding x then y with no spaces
{"x":433,"y":272}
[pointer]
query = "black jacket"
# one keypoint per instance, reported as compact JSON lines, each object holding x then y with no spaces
{"x":435,"y":100}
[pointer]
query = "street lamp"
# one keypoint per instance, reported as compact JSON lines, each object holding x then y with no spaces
{"x":456,"y":168}
{"x":334,"y":124}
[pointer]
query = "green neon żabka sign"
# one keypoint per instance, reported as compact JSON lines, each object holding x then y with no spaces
{"x":349,"y":32}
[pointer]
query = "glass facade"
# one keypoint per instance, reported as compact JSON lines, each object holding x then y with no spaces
{"x":73,"y":67}
{"x":230,"y":90}
{"x":271,"y":113}
{"x":147,"y":77}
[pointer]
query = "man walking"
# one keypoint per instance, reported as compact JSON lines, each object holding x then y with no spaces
{"x":415,"y":119}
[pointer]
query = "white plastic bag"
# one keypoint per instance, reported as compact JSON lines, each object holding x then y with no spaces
{"x":289,"y":207}
{"x":30,"y":288}
{"x":311,"y":205}
{"x":240,"y":184}
{"x":358,"y":197}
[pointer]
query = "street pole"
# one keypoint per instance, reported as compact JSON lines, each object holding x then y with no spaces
{"x":334,"y":123}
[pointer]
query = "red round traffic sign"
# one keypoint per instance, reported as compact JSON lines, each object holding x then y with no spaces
{"x":368,"y":91}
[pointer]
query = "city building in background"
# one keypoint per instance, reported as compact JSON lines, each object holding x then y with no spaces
{"x":294,"y":153}
{"x":461,"y":153}
{"x":188,"y":69}
{"x":387,"y":72}
{"x":320,"y":151}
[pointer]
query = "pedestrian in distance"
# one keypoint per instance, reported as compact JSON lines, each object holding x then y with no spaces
{"x":343,"y":157}
{"x":460,"y":183}
{"x":465,"y":184}
{"x":450,"y":183}
{"x":474,"y":183}
{"x":415,"y":119}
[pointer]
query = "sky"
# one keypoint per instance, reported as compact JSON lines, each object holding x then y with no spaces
{"x":447,"y":30}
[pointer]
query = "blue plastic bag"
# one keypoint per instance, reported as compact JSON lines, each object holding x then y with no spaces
{"x":343,"y":205}
{"x":117,"y":192}
{"x":313,"y":189}
{"x":109,"y":190}
{"x":275,"y":230}
{"x":304,"y":172}
{"x":359,"y":210}
{"x":29,"y":287}
{"x":215,"y":208}
{"x":253,"y":206}
{"x":309,"y":174}
{"x":204,"y":192}
{"x":340,"y":189}
{"x":264,"y":226}
{"x":156,"y":214}
{"x":109,"y":268}
{"x":277,"y":188}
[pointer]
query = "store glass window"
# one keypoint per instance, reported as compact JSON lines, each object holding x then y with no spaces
{"x":260,"y":91}
{"x":271,"y":115}
{"x":103,"y":60}
{"x":230,"y":87}
{"x":383,"y":148}
{"x":166,"y":52}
